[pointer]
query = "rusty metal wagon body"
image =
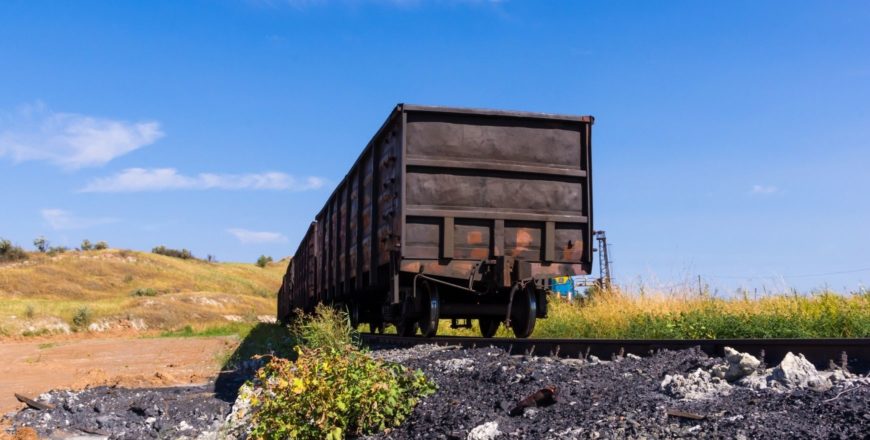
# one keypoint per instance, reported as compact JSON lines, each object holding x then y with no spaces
{"x":454,"y":214}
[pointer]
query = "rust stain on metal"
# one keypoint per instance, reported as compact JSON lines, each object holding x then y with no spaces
{"x":474,"y":237}
{"x":479,"y":253}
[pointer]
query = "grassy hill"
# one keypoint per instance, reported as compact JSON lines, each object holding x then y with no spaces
{"x":117,"y":290}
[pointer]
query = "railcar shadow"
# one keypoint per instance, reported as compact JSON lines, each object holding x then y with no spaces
{"x":239,"y":367}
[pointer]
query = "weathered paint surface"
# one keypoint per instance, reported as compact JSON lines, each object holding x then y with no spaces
{"x":439,"y":190}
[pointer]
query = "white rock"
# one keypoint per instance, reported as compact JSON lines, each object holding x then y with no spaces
{"x":486,"y":431}
{"x":737,"y":365}
{"x":696,"y":385}
{"x":237,"y":424}
{"x":798,"y":372}
{"x":594,"y":359}
{"x":233,"y":318}
{"x":456,"y":365}
{"x":632,"y":356}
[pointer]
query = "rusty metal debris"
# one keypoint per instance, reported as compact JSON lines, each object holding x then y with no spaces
{"x":543,"y":397}
{"x":33,"y":403}
{"x":684,"y":414}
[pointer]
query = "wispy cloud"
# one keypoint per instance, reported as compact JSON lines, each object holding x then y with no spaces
{"x":256,"y":237}
{"x":764,"y":190}
{"x":164,"y":179}
{"x":70,"y":140}
{"x":61,"y":220}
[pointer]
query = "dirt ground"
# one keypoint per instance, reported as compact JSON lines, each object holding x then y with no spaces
{"x":34,"y":367}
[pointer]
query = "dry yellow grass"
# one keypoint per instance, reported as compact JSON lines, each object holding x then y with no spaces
{"x":685,"y":315}
{"x":49,"y":291}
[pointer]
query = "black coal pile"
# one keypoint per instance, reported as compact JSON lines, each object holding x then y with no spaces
{"x":178,"y":412}
{"x":480,"y":389}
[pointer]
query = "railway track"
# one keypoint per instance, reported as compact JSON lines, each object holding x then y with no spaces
{"x":818,"y":351}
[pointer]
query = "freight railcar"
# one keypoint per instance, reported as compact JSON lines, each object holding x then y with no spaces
{"x":451,"y":213}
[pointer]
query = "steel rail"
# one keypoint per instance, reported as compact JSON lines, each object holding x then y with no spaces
{"x":821,"y":352}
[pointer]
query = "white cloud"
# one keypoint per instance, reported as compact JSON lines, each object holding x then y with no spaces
{"x":764,"y":190}
{"x":163,"y":179}
{"x":60,"y":220}
{"x":70,"y":140}
{"x":256,"y":237}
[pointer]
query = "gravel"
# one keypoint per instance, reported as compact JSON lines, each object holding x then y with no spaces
{"x":672,"y":394}
{"x":190,"y":412}
{"x":626,"y":398}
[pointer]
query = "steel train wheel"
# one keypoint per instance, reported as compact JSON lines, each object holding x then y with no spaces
{"x":488,"y":326}
{"x":524,"y":312}
{"x":353,"y":314}
{"x":407,"y":327}
{"x":377,"y":327}
{"x":430,"y":304}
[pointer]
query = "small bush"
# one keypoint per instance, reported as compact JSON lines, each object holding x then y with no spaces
{"x":86,"y":245}
{"x":29,"y":312}
{"x":41,"y":244}
{"x":331,"y":394}
{"x":144,"y":291}
{"x":101,"y":245}
{"x":333,"y":389}
{"x":184,"y":254}
{"x":54,"y":250}
{"x":82,"y":318}
{"x":263,"y":260}
{"x":10,"y":252}
{"x":326,"y":328}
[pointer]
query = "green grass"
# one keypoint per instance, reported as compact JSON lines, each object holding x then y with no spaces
{"x":672,"y":316}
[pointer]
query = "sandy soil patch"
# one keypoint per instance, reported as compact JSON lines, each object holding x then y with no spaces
{"x":34,"y":367}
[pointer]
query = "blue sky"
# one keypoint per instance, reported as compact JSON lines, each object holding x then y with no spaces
{"x":732,"y":139}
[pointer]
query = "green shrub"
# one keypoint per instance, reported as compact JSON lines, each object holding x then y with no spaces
{"x":86,"y":245}
{"x":326,"y":328}
{"x":184,"y":254}
{"x":101,"y":245}
{"x":333,"y":389}
{"x":329,"y":393}
{"x":82,"y":318}
{"x":144,"y":291}
{"x":54,"y":250}
{"x":10,"y":252}
{"x":263,"y":260}
{"x":41,"y":244}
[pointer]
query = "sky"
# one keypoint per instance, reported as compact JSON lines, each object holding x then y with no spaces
{"x":731,"y":142}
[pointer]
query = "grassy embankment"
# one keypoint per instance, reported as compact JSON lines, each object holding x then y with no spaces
{"x":177,"y":297}
{"x":44,"y":293}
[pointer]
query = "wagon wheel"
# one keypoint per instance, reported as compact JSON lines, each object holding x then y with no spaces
{"x":430,"y":313}
{"x":524,"y":312}
{"x":406,"y":327}
{"x":353,"y":314}
{"x":376,"y":321}
{"x":376,"y":326}
{"x":488,"y":326}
